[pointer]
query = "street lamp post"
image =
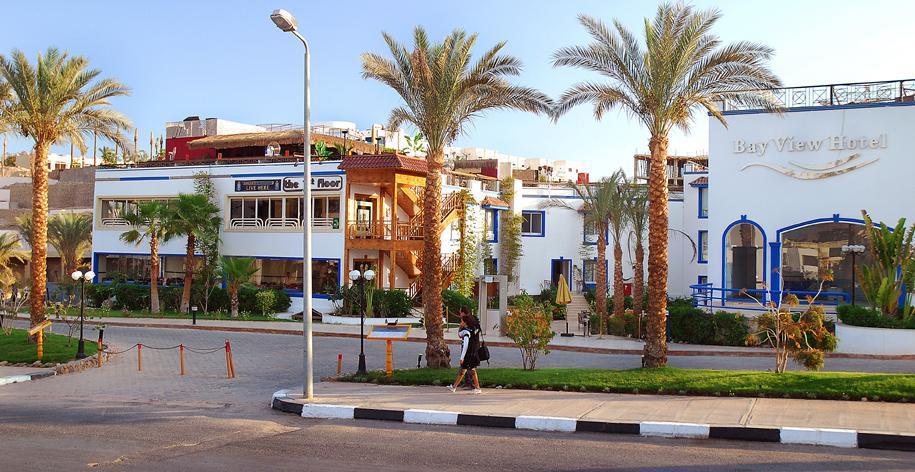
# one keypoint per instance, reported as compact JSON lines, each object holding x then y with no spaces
{"x":361,"y":278}
{"x":82,"y":278}
{"x":853,"y":249}
{"x":345,"y":132}
{"x":287,"y":23}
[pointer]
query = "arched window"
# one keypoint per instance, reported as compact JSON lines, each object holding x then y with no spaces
{"x":811,"y":252}
{"x":744,"y":263}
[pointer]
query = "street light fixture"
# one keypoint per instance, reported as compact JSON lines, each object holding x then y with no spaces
{"x":345,"y":132}
{"x":853,"y":249}
{"x":82,"y":278}
{"x":361,"y":278}
{"x":287,"y":23}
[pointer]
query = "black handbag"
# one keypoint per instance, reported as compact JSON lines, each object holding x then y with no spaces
{"x":483,"y":351}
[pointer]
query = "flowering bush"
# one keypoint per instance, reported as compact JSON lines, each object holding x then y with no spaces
{"x":528,"y":325}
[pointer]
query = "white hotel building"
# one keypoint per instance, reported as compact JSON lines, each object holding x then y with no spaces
{"x":779,"y":198}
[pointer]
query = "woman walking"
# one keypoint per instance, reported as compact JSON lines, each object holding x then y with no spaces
{"x":470,"y":344}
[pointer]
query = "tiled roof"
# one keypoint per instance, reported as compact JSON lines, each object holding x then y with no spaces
{"x":494,"y":202}
{"x":699,"y":182}
{"x":384,"y":161}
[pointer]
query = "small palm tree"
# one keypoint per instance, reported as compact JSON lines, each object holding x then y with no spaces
{"x":190,"y":216}
{"x":637,"y":215}
{"x":69,"y":233}
{"x":598,"y":199}
{"x":55,"y":100}
{"x":617,"y":216}
{"x":236,"y":272}
{"x":681,"y":68}
{"x":415,"y":144}
{"x":442,"y":91}
{"x":149,"y":224}
{"x":10,"y":252}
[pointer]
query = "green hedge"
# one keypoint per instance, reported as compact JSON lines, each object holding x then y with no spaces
{"x":857,"y":315}
{"x":136,"y":297}
{"x":691,"y":325}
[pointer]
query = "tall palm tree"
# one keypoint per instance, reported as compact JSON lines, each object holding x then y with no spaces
{"x":681,"y":68}
{"x":236,"y":271}
{"x":10,"y":251}
{"x":617,"y":217}
{"x":637,"y":215}
{"x":442,"y":91}
{"x":57,"y":99}
{"x":598,"y":199}
{"x":69,"y":233}
{"x":149,"y":223}
{"x":191,"y":215}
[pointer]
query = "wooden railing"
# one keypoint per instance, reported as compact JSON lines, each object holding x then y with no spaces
{"x":450,"y":264}
{"x":453,"y":202}
{"x":385,"y":230}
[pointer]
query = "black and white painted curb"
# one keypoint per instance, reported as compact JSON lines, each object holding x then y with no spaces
{"x":11,"y":379}
{"x":807,"y":436}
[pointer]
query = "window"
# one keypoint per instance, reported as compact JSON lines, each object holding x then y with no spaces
{"x":490,"y":266}
{"x":454,"y":231}
{"x":703,"y":202}
{"x":532,"y":223}
{"x":589,"y":232}
{"x":589,"y":271}
{"x":325,"y":275}
{"x":703,"y":247}
{"x":283,"y":212}
{"x":112,"y":210}
{"x":703,"y":279}
{"x":491,"y":225}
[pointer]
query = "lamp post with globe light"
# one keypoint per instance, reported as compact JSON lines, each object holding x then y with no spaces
{"x":361,"y":278}
{"x":854,"y":250}
{"x":82,"y":278}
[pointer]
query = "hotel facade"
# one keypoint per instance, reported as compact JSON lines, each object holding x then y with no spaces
{"x":769,"y":209}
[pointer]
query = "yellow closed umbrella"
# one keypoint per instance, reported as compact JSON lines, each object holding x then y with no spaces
{"x":563,"y":294}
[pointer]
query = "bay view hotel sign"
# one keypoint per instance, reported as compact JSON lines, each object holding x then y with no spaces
{"x":852,"y":151}
{"x":290,"y":184}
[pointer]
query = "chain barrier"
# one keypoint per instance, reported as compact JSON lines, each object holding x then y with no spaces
{"x":230,"y":364}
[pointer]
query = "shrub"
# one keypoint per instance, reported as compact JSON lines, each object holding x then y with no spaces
{"x":731,"y":329}
{"x":616,"y":326}
{"x":635,"y":325}
{"x":392,"y":303}
{"x":130,"y":297}
{"x":857,"y":315}
{"x":96,"y":294}
{"x":265,"y":301}
{"x":529,"y":327}
{"x":805,"y":338}
{"x":452,"y":301}
{"x":691,"y":325}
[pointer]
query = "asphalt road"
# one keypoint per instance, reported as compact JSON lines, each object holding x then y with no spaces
{"x":116,"y":418}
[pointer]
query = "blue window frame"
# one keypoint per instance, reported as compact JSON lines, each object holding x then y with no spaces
{"x":492,"y":225}
{"x":533,"y":223}
{"x":703,"y":202}
{"x":703,"y":247}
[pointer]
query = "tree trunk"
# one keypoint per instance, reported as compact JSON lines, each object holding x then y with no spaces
{"x":638,"y":279}
{"x":39,"y":262}
{"x":600,"y":288}
{"x":656,"y":338}
{"x":188,"y":274}
{"x":154,"y":271}
{"x":619,"y":294}
{"x":233,"y":293}
{"x":437,"y":352}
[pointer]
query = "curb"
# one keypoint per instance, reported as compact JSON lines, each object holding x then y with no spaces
{"x":11,"y":379}
{"x":552,"y":347}
{"x":844,"y":438}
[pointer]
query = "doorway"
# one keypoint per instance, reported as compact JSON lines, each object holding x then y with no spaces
{"x":365,"y":215}
{"x":560,"y":267}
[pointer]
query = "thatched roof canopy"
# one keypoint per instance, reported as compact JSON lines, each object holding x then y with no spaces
{"x":266,"y":138}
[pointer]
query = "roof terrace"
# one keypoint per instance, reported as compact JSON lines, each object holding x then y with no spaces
{"x":856,"y":93}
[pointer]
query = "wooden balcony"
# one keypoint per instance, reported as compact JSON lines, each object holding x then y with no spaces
{"x":384,"y":235}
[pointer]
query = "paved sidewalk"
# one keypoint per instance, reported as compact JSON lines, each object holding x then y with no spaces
{"x":10,"y":374}
{"x":836,"y":423}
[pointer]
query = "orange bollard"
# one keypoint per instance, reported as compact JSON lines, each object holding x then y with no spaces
{"x":99,"y":352}
{"x":389,"y":359}
{"x":40,"y":344}
{"x":339,"y":363}
{"x":181,"y":354}
{"x":139,"y":357}
{"x":230,"y":367}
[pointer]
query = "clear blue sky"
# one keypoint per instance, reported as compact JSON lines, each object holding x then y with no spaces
{"x":226,"y":59}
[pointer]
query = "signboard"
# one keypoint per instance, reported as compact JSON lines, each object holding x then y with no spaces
{"x":272,"y":185}
{"x":39,"y":327}
{"x":852,"y":154}
{"x":319,"y":182}
{"x":389,"y":332}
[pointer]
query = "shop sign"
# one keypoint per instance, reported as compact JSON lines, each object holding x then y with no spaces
{"x":318,"y":183}
{"x":272,"y":185}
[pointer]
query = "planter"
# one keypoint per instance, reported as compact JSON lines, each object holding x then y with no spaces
{"x":348,"y":320}
{"x":886,"y":341}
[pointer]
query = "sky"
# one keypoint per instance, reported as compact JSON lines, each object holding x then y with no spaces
{"x":226,"y":59}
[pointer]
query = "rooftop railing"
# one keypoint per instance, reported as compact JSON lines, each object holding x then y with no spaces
{"x":837,"y":94}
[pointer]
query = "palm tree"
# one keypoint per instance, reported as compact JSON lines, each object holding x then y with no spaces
{"x":149,"y":223}
{"x":681,"y":68}
{"x":191,"y":215}
{"x":637,"y":215}
{"x":236,"y":271}
{"x":10,"y":251}
{"x":56,"y":100}
{"x":617,"y":216}
{"x":443,"y":91}
{"x":598,"y":198}
{"x":69,"y":233}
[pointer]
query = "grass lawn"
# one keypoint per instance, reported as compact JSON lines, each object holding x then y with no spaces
{"x":17,"y":348}
{"x":94,"y":312}
{"x":819,"y":385}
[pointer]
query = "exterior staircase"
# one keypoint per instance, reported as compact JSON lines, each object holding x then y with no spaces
{"x":578,"y":305}
{"x":410,"y":262}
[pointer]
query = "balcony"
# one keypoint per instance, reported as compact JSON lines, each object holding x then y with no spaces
{"x":835,"y":95}
{"x":328,"y":224}
{"x":385,"y":234}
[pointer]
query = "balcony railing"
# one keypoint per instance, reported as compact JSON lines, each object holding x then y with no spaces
{"x":837,"y":94}
{"x":384,"y":230}
{"x":320,"y":223}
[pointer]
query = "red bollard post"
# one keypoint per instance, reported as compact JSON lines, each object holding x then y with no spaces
{"x":230,"y":366}
{"x":139,"y":357}
{"x":181,"y":353}
{"x":339,"y":363}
